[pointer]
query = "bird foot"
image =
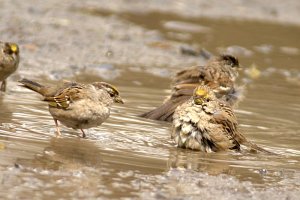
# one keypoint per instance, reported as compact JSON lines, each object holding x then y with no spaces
{"x":83,"y":134}
{"x":58,"y":133}
{"x":3,"y":86}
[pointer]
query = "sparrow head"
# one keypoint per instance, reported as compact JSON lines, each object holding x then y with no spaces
{"x":202,"y":94}
{"x":11,"y":48}
{"x":229,"y":60}
{"x":111,"y":90}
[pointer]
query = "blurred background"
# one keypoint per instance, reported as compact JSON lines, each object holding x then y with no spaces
{"x":138,"y":46}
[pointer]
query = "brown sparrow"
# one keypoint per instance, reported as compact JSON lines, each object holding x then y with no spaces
{"x":207,"y":124}
{"x":76,"y":105}
{"x":219,"y":74}
{"x":9,"y":61}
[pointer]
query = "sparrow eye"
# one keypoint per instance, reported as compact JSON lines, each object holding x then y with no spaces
{"x":113,"y":94}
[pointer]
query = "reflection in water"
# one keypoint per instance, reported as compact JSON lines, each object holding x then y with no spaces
{"x":198,"y":161}
{"x":246,"y":166}
{"x":6,"y":112}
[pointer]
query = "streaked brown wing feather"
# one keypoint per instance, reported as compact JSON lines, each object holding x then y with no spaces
{"x":227,"y":120}
{"x":65,"y":96}
{"x":51,"y":91}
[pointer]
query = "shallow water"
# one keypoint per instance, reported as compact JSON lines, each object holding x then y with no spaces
{"x":131,"y":157}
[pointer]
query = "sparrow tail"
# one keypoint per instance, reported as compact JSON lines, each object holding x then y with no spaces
{"x":32,"y":85}
{"x":254,"y":147}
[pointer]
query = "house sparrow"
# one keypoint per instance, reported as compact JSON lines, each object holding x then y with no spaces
{"x":9,"y":61}
{"x":76,"y":105}
{"x":208,"y":124}
{"x":219,"y":74}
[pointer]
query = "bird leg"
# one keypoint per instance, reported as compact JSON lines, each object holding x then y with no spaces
{"x":58,"y":134}
{"x":3,"y":86}
{"x":83,"y":134}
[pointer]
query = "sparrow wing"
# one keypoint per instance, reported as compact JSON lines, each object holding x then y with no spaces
{"x":229,"y":137}
{"x":183,"y":86}
{"x":66,"y":95}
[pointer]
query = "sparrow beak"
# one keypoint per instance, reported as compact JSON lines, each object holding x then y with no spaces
{"x":118,"y":100}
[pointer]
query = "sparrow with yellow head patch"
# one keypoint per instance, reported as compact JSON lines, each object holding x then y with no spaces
{"x":207,"y":124}
{"x":219,"y":74}
{"x":9,"y":61}
{"x":75,"y":105}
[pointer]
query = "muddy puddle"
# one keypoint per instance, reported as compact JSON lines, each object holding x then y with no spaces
{"x":133,"y":158}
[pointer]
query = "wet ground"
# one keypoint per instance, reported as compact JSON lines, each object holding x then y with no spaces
{"x":138,"y":51}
